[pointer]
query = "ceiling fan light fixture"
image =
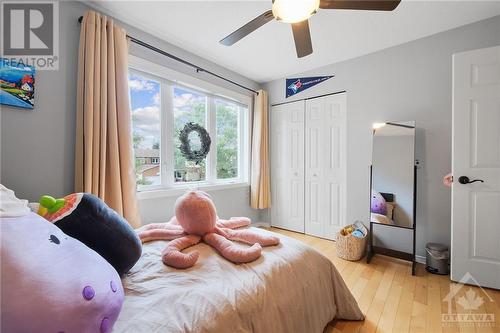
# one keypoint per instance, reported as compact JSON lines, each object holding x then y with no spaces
{"x":293,"y":11}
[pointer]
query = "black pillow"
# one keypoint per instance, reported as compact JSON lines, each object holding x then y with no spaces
{"x":99,"y":227}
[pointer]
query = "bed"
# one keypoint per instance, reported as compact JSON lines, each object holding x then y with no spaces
{"x":291,"y":288}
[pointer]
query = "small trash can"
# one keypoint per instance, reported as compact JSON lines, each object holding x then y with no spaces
{"x":437,"y":259}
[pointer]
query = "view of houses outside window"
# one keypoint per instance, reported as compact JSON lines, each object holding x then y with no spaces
{"x":145,"y":104}
{"x":221,"y":117}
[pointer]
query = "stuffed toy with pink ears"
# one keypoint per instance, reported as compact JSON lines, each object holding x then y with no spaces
{"x":378,"y":204}
{"x":196,"y":220}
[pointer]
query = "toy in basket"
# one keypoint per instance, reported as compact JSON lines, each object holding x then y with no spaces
{"x":351,"y":242}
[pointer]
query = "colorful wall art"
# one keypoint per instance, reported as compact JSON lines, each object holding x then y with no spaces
{"x":17,"y":84}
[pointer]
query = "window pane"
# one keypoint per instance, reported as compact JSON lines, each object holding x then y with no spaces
{"x":227,"y":121}
{"x":145,"y":106}
{"x":188,"y":107}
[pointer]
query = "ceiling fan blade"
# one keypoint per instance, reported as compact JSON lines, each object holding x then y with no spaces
{"x":386,"y":5}
{"x":248,"y":28}
{"x":302,"y":37}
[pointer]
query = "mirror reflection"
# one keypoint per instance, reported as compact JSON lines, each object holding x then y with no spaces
{"x":392,"y":173}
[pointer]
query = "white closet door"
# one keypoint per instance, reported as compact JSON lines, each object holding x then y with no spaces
{"x":287,"y":162}
{"x":325,"y":180}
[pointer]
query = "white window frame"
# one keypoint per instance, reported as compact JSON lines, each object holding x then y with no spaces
{"x":169,"y":79}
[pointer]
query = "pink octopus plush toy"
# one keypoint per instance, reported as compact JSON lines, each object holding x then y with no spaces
{"x":195,"y":220}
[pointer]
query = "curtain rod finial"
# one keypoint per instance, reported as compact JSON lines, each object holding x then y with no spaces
{"x":80,"y":19}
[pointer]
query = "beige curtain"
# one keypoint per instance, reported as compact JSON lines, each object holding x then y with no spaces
{"x":260,"y":180}
{"x":104,"y":160}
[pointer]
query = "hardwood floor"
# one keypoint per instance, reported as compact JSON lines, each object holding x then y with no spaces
{"x":395,"y":301}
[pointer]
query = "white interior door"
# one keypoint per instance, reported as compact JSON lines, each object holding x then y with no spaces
{"x":475,"y":242}
{"x":287,"y":166}
{"x":325,"y":179}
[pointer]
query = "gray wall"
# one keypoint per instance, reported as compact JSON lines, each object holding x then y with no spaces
{"x":412,"y":81}
{"x":392,"y":172}
{"x":37,"y":147}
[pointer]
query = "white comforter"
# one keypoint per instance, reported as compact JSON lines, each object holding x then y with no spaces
{"x":291,"y":288}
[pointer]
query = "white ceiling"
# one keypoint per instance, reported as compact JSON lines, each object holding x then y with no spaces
{"x":269,"y":52}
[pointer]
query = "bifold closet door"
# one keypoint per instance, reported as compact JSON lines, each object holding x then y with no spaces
{"x":287,"y":166}
{"x":325,"y":172}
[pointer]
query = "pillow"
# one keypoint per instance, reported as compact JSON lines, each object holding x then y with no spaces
{"x":10,"y":206}
{"x":390,"y":210}
{"x":378,"y":203}
{"x":51,"y":282}
{"x":379,"y":218}
{"x":88,"y":219}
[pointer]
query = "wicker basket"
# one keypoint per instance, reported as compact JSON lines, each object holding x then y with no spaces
{"x":350,"y":247}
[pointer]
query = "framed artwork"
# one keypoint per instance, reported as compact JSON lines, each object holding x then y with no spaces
{"x":17,"y":84}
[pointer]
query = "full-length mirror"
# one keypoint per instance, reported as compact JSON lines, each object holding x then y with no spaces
{"x":392,"y":174}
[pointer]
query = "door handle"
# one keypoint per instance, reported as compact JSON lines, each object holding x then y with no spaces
{"x":465,"y":180}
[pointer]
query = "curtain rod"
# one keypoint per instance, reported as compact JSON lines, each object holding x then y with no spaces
{"x":185,"y":62}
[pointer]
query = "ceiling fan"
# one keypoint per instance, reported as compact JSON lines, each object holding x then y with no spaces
{"x":298,"y":12}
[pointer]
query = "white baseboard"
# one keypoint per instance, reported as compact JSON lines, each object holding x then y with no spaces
{"x":261,"y":224}
{"x":420,"y":259}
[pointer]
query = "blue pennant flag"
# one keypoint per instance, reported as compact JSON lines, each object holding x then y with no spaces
{"x":296,"y":85}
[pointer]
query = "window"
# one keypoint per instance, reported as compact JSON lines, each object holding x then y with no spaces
{"x":161,"y":109}
{"x":145,"y":106}
{"x":227,"y":127}
{"x":188,"y":107}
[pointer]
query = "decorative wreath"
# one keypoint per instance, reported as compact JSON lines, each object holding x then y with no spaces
{"x":185,"y":147}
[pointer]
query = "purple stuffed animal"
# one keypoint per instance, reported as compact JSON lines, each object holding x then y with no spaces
{"x":378,"y":203}
{"x":52,"y":282}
